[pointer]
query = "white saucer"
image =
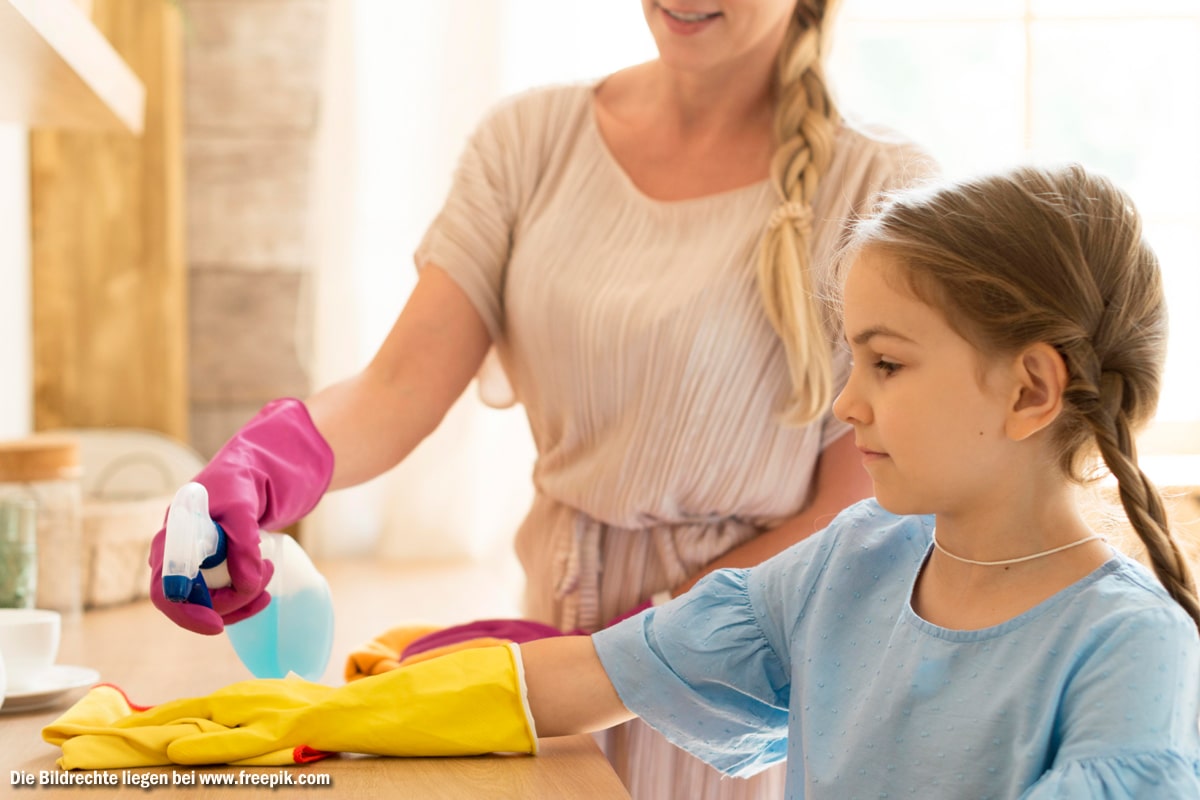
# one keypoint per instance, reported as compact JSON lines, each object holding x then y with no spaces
{"x":48,"y":688}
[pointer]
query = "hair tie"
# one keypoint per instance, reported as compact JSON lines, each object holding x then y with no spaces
{"x":793,"y":211}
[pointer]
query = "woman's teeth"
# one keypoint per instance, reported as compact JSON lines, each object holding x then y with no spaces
{"x":690,"y":17}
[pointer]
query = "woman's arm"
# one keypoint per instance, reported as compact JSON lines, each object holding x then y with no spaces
{"x":375,"y":418}
{"x":569,"y":691}
{"x":840,"y":482}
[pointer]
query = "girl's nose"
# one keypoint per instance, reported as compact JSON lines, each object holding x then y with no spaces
{"x":848,"y":406}
{"x":841,"y":407}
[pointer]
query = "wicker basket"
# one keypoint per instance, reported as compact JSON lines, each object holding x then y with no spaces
{"x":129,"y":479}
{"x":116,"y":543}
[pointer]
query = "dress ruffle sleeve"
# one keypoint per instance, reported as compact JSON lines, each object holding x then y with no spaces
{"x":1165,"y":775}
{"x":711,"y":670}
{"x":701,"y":671}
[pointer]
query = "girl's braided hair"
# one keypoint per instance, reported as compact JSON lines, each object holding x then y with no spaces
{"x":1055,"y":256}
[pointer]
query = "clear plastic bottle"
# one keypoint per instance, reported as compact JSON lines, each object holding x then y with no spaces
{"x":44,"y":470}
{"x":294,"y":633}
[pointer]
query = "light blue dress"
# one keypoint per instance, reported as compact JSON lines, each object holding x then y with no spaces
{"x":816,"y":656}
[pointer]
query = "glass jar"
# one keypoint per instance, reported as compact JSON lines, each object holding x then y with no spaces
{"x":18,"y":553}
{"x":43,"y":470}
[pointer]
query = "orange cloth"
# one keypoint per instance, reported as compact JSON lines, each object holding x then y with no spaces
{"x":383,"y":653}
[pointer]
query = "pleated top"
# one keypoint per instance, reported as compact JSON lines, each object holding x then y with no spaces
{"x":631,"y":329}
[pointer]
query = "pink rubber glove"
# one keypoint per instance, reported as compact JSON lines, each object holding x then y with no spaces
{"x":270,"y":474}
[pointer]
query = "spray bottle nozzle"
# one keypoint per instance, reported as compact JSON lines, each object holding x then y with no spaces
{"x":193,"y":543}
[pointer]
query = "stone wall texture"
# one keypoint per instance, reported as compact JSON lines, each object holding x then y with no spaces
{"x":252,"y":100}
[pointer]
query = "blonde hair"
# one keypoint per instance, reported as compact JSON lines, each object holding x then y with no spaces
{"x":806,"y":122}
{"x":1054,"y":256}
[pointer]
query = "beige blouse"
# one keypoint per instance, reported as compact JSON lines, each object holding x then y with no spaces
{"x":631,"y":329}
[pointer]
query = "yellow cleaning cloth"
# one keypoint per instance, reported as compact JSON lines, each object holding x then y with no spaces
{"x":465,"y":703}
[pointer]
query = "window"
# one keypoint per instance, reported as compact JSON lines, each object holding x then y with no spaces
{"x":1112,"y":84}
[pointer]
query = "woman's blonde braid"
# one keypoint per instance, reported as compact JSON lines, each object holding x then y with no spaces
{"x":806,"y":123}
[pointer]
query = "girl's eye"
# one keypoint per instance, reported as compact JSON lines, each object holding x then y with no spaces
{"x":888,"y":368}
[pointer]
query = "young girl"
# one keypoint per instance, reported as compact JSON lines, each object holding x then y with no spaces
{"x":1002,"y":330}
{"x":964,"y":635}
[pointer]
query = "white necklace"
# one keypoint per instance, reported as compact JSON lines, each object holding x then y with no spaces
{"x":1050,"y":552}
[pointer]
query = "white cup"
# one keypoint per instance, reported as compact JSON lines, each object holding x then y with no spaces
{"x":28,"y":644}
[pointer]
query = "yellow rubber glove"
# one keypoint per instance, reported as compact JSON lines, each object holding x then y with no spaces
{"x":105,"y":730}
{"x":465,"y":703}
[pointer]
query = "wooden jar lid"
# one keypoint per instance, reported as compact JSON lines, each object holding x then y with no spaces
{"x":42,"y":457}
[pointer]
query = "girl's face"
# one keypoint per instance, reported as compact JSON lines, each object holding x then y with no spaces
{"x":928,"y":411}
{"x":703,"y":35}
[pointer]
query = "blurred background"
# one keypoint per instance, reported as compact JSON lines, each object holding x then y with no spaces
{"x":255,"y":239}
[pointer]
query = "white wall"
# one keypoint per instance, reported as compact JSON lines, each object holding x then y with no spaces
{"x":16,"y":357}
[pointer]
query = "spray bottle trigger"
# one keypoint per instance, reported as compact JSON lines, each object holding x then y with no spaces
{"x":219,"y":555}
{"x":199,"y":593}
{"x":180,"y":589}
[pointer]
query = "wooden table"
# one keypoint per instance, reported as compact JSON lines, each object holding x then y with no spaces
{"x":136,"y":648}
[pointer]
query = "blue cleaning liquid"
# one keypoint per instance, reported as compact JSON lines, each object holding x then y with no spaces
{"x":294,"y":633}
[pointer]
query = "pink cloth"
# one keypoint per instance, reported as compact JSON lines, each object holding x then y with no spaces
{"x":513,"y":630}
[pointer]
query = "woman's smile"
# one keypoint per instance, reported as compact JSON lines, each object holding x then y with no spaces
{"x":687,"y":23}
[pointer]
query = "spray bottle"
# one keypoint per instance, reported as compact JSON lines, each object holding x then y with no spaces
{"x":292,"y":634}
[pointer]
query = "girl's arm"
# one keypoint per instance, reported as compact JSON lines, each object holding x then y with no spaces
{"x":374,"y":419}
{"x":569,"y":691}
{"x":840,"y":482}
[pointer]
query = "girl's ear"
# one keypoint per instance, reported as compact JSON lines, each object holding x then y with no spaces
{"x":1041,"y":377}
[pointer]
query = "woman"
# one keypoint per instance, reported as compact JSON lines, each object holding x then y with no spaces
{"x":617,"y":244}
